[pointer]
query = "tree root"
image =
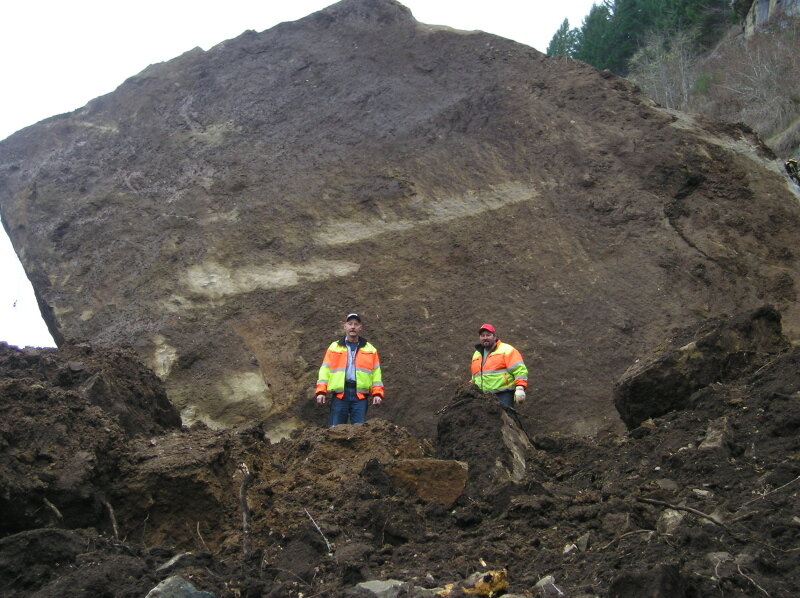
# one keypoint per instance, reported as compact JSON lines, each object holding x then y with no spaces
{"x":53,"y":508}
{"x":247,"y":479}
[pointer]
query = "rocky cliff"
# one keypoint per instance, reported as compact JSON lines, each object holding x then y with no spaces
{"x":220,"y":212}
{"x":755,"y":15}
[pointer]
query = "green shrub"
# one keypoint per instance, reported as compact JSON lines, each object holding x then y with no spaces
{"x":702,"y":84}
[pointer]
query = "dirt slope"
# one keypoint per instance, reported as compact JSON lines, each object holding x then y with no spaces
{"x":697,"y":502}
{"x":220,"y":212}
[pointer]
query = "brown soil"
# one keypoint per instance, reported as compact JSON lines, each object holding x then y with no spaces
{"x":222,"y":211}
{"x":90,"y":505}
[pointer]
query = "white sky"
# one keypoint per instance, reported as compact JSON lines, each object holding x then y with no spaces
{"x":57,"y":55}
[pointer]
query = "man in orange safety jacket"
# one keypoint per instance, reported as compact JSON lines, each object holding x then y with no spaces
{"x":351,"y":372}
{"x":498,"y":368}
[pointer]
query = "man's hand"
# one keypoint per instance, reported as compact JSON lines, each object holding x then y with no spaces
{"x":320,"y":399}
{"x":376,"y":400}
{"x":519,"y":395}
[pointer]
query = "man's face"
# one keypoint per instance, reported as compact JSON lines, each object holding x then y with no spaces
{"x":352,"y":328}
{"x":488,"y":339}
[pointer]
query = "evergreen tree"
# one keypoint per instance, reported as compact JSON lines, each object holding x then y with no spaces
{"x":615,"y":30}
{"x":564,"y":41}
{"x":595,"y":40}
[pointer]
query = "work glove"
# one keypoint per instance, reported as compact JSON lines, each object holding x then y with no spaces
{"x":519,"y":395}
{"x":320,"y":399}
{"x":376,"y":399}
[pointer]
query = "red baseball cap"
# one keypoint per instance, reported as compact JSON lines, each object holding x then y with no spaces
{"x":488,"y":327}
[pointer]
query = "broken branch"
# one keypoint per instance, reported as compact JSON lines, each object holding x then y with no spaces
{"x":452,"y":405}
{"x":711,"y":518}
{"x":202,"y":541}
{"x":761,"y":496}
{"x":750,"y":579}
{"x":328,"y":544}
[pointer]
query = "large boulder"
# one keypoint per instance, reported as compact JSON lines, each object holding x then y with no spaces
{"x":715,"y":351}
{"x":221,"y":212}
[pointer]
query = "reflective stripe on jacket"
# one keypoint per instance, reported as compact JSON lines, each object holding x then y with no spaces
{"x":503,"y":368}
{"x":368,"y":370}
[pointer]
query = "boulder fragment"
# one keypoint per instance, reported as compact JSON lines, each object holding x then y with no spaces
{"x":667,"y":485}
{"x":717,"y":351}
{"x":669,"y":520}
{"x":433,"y":480}
{"x":377,"y":588}
{"x":718,"y":438}
{"x":177,"y":587}
{"x":546,"y":587}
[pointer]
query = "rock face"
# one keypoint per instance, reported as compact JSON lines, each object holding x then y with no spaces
{"x":220,"y":212}
{"x":755,"y":15}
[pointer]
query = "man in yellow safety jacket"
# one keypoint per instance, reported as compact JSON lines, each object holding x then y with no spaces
{"x":498,"y":368}
{"x":351,"y":372}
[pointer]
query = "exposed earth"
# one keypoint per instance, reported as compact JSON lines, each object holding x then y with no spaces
{"x":220,"y":213}
{"x":195,"y":237}
{"x":103,"y":493}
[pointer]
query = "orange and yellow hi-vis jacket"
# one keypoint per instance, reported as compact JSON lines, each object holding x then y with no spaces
{"x":503,"y":368}
{"x":368,"y":370}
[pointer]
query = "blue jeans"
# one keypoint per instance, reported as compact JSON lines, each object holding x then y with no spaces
{"x":349,"y":406}
{"x":506,"y":397}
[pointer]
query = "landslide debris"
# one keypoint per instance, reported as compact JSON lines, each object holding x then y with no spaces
{"x":698,"y":501}
{"x":65,"y":418}
{"x":720,"y":349}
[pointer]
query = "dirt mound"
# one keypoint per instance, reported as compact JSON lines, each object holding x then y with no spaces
{"x":699,"y":501}
{"x":65,"y":419}
{"x":495,"y":446}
